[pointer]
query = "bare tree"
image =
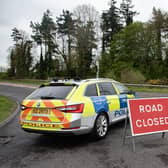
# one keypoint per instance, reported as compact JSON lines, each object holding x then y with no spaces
{"x":86,"y":13}
{"x":87,"y":36}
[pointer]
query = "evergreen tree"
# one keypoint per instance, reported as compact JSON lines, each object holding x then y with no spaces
{"x":85,"y":38}
{"x":12,"y":64}
{"x":21,"y":54}
{"x":48,"y":30}
{"x":44,"y":35}
{"x":86,"y":42}
{"x":131,"y":48}
{"x":126,"y":9}
{"x":66,"y":31}
{"x":111,"y":24}
{"x":158,"y":24}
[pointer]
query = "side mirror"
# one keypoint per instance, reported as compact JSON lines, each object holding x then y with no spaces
{"x":130,"y":92}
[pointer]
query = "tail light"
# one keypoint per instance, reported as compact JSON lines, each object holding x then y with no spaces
{"x":75,"y":108}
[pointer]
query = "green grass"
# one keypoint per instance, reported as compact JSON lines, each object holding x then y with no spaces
{"x":39,"y":82}
{"x":7,"y":106}
{"x":149,"y":89}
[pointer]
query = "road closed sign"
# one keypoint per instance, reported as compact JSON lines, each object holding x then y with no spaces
{"x":148,"y":115}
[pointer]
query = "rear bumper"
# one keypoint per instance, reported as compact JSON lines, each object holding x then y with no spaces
{"x":78,"y":131}
{"x":76,"y":127}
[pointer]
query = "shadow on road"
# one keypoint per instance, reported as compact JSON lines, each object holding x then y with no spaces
{"x":62,"y":142}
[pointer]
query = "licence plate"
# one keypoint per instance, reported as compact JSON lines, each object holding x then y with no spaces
{"x":41,"y":111}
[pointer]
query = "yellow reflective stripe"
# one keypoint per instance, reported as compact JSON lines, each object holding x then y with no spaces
{"x":68,"y":116}
{"x":113,"y":102}
{"x":71,"y":93}
{"x":42,"y":128}
{"x":52,"y":117}
{"x":89,"y":109}
{"x":116,"y":89}
{"x":41,"y":125}
{"x":98,"y":91}
{"x":29,"y":116}
{"x":130,"y":96}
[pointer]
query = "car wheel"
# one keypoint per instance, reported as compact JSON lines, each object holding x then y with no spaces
{"x":100,"y":127}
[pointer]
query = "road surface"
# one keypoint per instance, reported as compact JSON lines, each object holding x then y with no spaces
{"x":19,"y":149}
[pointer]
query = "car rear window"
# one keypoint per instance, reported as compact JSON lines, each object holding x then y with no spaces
{"x":51,"y":92}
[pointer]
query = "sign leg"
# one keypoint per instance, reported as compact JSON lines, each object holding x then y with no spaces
{"x":125,"y":128}
{"x":163,"y":135}
{"x":133,"y":144}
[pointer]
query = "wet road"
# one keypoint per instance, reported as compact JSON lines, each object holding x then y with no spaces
{"x":24,"y":150}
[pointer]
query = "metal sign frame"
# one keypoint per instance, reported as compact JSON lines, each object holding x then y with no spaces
{"x":131,"y":121}
{"x":132,"y":136}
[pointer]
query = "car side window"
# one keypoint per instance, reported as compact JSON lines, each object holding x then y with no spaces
{"x":106,"y":88}
{"x":122,"y":89}
{"x":91,"y":90}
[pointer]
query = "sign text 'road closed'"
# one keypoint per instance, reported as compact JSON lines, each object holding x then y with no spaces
{"x":148,"y":115}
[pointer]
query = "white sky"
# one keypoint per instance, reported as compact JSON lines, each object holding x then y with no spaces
{"x":19,"y":13}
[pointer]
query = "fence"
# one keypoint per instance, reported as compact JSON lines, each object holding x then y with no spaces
{"x":146,"y":85}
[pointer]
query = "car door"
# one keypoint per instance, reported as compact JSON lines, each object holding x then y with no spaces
{"x":124,"y":94}
{"x":107,"y":91}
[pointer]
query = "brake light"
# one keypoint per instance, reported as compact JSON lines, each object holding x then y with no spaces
{"x":76,"y":108}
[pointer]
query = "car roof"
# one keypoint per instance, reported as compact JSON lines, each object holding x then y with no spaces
{"x":99,"y":80}
{"x":79,"y":82}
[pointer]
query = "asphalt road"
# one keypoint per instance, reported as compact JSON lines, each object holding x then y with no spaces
{"x":19,"y":149}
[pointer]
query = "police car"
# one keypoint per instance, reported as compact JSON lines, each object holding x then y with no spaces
{"x":78,"y":107}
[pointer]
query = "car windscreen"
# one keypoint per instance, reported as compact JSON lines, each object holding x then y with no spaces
{"x":51,"y":92}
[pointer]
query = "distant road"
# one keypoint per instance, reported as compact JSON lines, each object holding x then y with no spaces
{"x":19,"y":149}
{"x":18,"y":85}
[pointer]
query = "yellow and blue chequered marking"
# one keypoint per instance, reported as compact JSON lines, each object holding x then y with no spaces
{"x":100,"y":104}
{"x":123,"y":101}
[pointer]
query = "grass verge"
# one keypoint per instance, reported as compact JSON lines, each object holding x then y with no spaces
{"x":25,"y":81}
{"x":39,"y":82}
{"x":149,"y":89}
{"x":7,"y":106}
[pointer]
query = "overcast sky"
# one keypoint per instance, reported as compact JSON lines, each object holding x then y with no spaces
{"x":19,"y":13}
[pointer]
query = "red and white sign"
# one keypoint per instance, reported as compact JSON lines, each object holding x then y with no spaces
{"x":148,"y":115}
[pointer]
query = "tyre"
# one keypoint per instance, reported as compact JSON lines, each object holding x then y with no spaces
{"x":101,"y":127}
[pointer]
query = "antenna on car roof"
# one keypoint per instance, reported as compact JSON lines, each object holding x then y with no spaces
{"x":77,"y":79}
{"x":55,"y":79}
